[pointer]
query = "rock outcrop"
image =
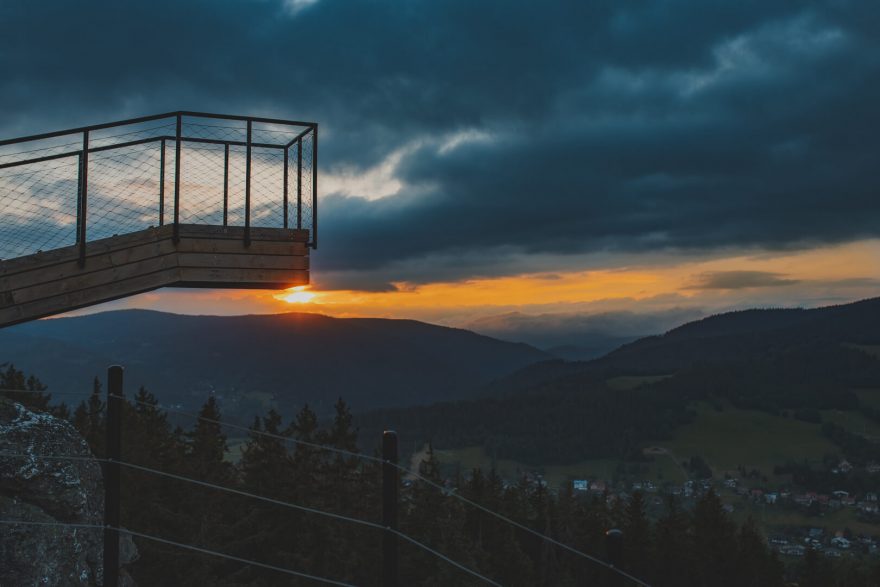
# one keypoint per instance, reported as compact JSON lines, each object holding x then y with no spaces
{"x":43,"y":493}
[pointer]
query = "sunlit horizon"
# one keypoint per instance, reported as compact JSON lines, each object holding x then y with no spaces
{"x":807,"y":278}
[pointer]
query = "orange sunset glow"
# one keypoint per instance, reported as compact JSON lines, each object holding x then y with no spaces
{"x":808,"y":277}
{"x":296,"y":295}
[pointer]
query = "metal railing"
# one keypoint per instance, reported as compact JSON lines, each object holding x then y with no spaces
{"x":74,"y":186}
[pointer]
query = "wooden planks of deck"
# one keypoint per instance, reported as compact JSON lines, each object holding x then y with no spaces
{"x":53,"y":282}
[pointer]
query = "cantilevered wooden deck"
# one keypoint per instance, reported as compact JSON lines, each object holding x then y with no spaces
{"x":190,"y":199}
{"x":43,"y":284}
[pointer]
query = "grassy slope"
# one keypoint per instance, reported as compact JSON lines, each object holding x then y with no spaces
{"x":732,"y":437}
{"x":725,"y":439}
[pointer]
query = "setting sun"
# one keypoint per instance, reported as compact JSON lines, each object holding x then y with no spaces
{"x":296,"y":295}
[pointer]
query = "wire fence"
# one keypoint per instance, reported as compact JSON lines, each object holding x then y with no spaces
{"x":247,"y":494}
{"x":72,"y":187}
{"x":408,"y":472}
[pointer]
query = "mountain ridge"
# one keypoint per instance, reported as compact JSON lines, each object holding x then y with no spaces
{"x":294,"y":357}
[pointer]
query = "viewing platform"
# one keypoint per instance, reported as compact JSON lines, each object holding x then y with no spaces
{"x":182,"y":199}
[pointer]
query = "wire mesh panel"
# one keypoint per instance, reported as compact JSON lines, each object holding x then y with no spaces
{"x":71,"y":187}
{"x":237,"y":178}
{"x":267,"y":188}
{"x":307,"y":207}
{"x":201,"y":183}
{"x":123,"y":190}
{"x":38,"y":201}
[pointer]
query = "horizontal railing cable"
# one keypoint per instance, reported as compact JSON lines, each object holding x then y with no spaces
{"x":242,"y":129}
{"x":198,"y":549}
{"x":79,"y":142}
{"x":61,"y":146}
{"x":262,"y":498}
{"x":110,"y":147}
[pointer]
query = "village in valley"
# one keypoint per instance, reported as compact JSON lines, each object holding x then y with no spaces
{"x":837,"y":523}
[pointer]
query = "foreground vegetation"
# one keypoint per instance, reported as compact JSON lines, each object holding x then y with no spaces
{"x":699,"y":547}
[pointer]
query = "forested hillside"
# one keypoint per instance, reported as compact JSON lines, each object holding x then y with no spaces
{"x":785,"y":362}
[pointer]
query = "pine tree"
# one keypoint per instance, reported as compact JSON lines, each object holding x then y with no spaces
{"x":15,"y":385}
{"x":209,"y":512}
{"x":755,"y":564}
{"x":260,"y":532}
{"x":266,"y":466}
{"x":637,"y":532}
{"x":339,"y":468}
{"x":714,"y":543}
{"x":88,"y":419}
{"x":671,"y":548}
{"x":149,"y":441}
{"x":342,"y":433}
{"x":305,"y":430}
{"x":61,"y":411}
{"x":208,"y":447}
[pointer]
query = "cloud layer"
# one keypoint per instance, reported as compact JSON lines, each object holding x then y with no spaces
{"x":740,"y":280}
{"x":505,"y":130}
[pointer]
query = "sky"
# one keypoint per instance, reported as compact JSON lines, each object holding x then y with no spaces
{"x":514,"y":167}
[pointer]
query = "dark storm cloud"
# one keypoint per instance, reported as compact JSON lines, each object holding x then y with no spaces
{"x":607,"y":125}
{"x":740,"y":280}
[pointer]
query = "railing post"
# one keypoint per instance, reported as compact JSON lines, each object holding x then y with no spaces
{"x":247,"y":189}
{"x":226,"y":184}
{"x":315,"y":188}
{"x":79,"y":170}
{"x":162,"y":185}
{"x":111,"y":476}
{"x":390,"y":488}
{"x":286,"y":161}
{"x":82,"y":209}
{"x":299,"y":183}
{"x":177,"y":179}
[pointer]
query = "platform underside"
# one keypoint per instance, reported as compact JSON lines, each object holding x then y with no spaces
{"x":53,"y":282}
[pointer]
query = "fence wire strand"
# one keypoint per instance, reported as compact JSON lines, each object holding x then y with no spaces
{"x":190,"y":547}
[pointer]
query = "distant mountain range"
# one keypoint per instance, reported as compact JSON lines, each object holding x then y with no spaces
{"x":580,"y":336}
{"x":793,"y":362}
{"x":256,"y":361}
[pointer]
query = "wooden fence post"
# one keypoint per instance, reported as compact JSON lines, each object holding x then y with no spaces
{"x":111,"y":476}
